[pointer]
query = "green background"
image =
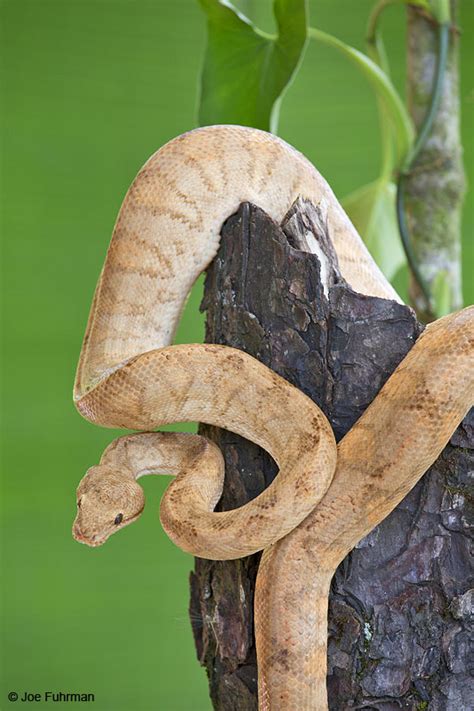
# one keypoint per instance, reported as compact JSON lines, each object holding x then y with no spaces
{"x":90,"y":89}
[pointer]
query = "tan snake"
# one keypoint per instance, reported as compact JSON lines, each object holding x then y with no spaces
{"x":129,"y":376}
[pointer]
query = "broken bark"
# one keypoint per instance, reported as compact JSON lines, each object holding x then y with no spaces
{"x":399,"y":606}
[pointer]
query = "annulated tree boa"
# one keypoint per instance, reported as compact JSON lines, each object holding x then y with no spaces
{"x":324,"y":500}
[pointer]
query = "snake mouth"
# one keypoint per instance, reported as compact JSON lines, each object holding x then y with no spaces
{"x":98,"y":539}
{"x":92,"y":541}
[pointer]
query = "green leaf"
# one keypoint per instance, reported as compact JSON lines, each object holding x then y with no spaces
{"x":372,"y":210}
{"x":246,"y":71}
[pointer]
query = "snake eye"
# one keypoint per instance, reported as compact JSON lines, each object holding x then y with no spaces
{"x":118,"y":519}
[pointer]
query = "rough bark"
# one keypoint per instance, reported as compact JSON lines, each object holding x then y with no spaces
{"x":436,"y":186}
{"x":399,"y":605}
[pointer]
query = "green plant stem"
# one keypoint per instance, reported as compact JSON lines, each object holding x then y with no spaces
{"x":441,"y":11}
{"x":379,"y":7}
{"x":372,"y":25}
{"x":406,"y":241}
{"x":385,"y":90}
{"x":376,"y":52}
{"x":425,"y":129}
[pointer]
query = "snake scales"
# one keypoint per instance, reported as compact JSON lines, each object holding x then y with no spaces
{"x":324,"y":500}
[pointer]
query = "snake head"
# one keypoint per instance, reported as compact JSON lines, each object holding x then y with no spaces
{"x":107,"y":500}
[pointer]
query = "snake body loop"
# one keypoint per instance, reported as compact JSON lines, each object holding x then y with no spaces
{"x":223,"y":386}
{"x":130,"y":376}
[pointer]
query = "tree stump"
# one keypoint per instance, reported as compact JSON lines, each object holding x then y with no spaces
{"x":400,"y":602}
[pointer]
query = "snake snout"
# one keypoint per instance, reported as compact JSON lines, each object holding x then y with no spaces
{"x":81,"y":537}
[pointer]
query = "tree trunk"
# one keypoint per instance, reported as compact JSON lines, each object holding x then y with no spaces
{"x":399,"y":604}
{"x":435,"y":188}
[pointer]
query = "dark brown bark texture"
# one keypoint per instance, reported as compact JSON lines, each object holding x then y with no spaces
{"x":400,"y":620}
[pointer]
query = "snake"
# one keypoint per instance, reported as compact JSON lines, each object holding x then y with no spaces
{"x":325,"y":497}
